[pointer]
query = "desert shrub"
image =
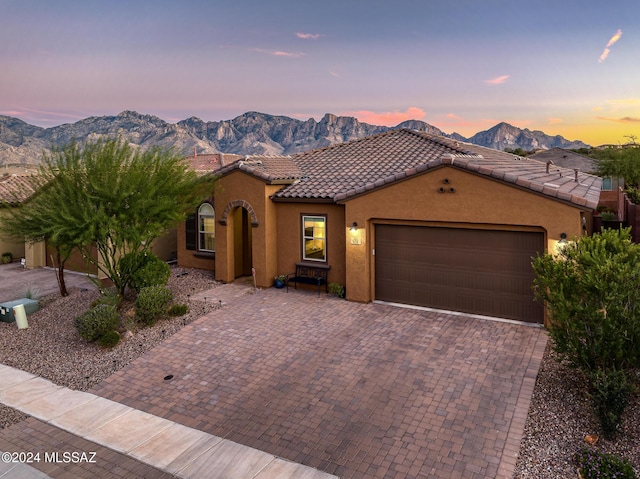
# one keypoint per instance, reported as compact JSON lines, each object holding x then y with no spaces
{"x":337,"y":289}
{"x":32,"y":293}
{"x":594,"y":464}
{"x":109,"y":339}
{"x":96,"y":322}
{"x":109,"y":298}
{"x":151,"y":303}
{"x":141,"y":270}
{"x":178,"y":310}
{"x":634,"y":195}
{"x":610,"y":392}
{"x":592,"y":292}
{"x":609,"y":216}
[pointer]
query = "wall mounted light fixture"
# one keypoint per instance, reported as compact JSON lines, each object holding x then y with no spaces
{"x":563,"y":237}
{"x":354,"y":227}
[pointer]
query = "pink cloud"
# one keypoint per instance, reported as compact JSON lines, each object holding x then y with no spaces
{"x":497,"y":80}
{"x":554,"y":121}
{"x":612,"y":41}
{"x":308,"y":36}
{"x":389,"y":118}
{"x":278,"y":53}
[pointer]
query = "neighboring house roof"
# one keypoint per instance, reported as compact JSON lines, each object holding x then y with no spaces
{"x":339,"y":172}
{"x":203,"y":164}
{"x":566,"y":159}
{"x":15,"y":189}
{"x":273,"y":169}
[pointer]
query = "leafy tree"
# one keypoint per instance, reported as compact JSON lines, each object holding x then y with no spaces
{"x":518,"y":151}
{"x":33,"y":221}
{"x":619,"y":162}
{"x":592,"y":292}
{"x":114,"y":197}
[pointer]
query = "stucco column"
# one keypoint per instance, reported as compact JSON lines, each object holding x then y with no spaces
{"x":357,"y":255}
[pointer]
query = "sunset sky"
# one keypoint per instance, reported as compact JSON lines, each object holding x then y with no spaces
{"x":566,"y":67}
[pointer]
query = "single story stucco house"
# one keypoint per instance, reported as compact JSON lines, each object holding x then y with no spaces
{"x":401,"y":216}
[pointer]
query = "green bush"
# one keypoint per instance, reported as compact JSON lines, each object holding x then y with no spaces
{"x":337,"y":289}
{"x":178,"y":310}
{"x":96,"y":322}
{"x":594,"y":464}
{"x":108,"y":297}
{"x":592,"y":291}
{"x":143,"y":269}
{"x":109,"y":339}
{"x":610,"y":392}
{"x":634,"y":195}
{"x":151,"y":303}
{"x":6,"y":258}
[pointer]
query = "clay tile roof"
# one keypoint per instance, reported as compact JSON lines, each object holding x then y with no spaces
{"x":203,"y":164}
{"x":15,"y":189}
{"x":280,"y":169}
{"x":566,"y":159}
{"x":341,"y":171}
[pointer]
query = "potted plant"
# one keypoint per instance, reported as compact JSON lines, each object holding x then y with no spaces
{"x":280,"y":281}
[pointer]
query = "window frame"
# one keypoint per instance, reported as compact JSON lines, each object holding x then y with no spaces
{"x":201,"y":232}
{"x":304,"y":237}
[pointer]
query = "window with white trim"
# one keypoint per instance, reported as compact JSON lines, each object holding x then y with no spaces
{"x":206,"y":228}
{"x":314,"y":238}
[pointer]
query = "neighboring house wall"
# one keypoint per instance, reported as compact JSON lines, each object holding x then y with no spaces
{"x":164,"y":247}
{"x":75,"y":262}
{"x":476,"y":202}
{"x":15,"y":246}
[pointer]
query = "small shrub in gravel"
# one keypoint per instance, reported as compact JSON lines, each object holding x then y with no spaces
{"x":97,"y":321}
{"x":109,"y":339}
{"x":109,"y":298}
{"x":610,"y":392}
{"x":151,"y":303}
{"x":594,"y":464}
{"x":144,"y":269}
{"x":178,"y":310}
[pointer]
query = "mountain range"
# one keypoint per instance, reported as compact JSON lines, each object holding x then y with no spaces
{"x":249,"y":134}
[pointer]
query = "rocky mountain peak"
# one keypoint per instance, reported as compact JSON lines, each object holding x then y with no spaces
{"x":250,"y":133}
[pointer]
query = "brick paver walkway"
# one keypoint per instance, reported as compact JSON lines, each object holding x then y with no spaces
{"x":356,"y":390}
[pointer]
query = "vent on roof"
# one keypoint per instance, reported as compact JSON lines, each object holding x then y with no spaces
{"x":251,"y":162}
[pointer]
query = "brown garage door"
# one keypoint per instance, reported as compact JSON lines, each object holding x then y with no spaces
{"x":474,"y":271}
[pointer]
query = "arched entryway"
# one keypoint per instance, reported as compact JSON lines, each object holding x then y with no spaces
{"x":242,"y":244}
{"x":240,"y":218}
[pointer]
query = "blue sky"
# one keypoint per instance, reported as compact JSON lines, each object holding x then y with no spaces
{"x":563,"y":66}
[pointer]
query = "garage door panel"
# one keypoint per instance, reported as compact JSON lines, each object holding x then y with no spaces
{"x":478,"y":271}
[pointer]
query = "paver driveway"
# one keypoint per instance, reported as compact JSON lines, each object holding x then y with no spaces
{"x":357,"y":390}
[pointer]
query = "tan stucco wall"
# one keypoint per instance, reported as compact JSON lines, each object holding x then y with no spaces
{"x":289,"y":224}
{"x":239,"y":186}
{"x":165,"y":247}
{"x":476,"y":202}
{"x":15,"y":246}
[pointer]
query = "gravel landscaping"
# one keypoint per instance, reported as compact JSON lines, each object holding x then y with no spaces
{"x":51,"y":347}
{"x":559,"y":417}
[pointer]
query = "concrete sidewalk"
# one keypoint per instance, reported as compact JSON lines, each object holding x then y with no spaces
{"x":179,"y":450}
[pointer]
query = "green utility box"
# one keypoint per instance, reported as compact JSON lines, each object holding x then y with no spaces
{"x":6,"y":309}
